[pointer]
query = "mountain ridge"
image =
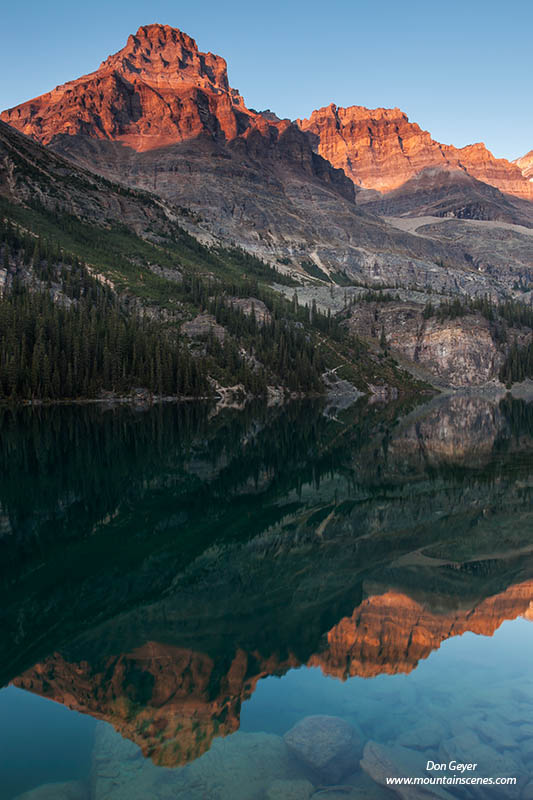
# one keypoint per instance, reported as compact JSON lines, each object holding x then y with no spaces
{"x":160,"y":89}
{"x":368,"y":143}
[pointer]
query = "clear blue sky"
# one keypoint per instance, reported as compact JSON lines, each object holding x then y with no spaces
{"x":461,"y":69}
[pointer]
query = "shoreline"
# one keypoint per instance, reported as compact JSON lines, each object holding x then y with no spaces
{"x":232,"y":395}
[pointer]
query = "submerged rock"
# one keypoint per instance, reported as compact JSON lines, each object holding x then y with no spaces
{"x":423,"y":737}
{"x":527,"y":792}
{"x":290,"y":790}
{"x":381,"y":762}
{"x":498,"y":735}
{"x":349,"y":793}
{"x":526,"y":748}
{"x":240,"y":767}
{"x":361,"y":787}
{"x":525,"y":732}
{"x":490,"y":763}
{"x":243,"y":766}
{"x":329,"y":745}
{"x":69,"y":790}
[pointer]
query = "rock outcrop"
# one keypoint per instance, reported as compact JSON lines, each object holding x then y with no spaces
{"x":457,"y":352}
{"x":157,"y":90}
{"x":525,"y":163}
{"x":381,"y":149}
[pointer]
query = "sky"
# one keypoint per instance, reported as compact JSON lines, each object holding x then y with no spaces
{"x":461,"y":69}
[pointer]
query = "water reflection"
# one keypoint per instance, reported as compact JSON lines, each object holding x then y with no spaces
{"x":167,"y":560}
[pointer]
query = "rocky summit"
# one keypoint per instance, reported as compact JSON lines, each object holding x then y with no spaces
{"x":381,"y":149}
{"x":133,"y":96}
{"x":160,"y":90}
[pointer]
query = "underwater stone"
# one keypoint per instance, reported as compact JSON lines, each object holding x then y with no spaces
{"x":526,"y":748}
{"x":348,"y":793}
{"x":527,"y":792}
{"x":490,"y":762}
{"x":381,"y":762}
{"x":499,"y":735}
{"x":70,"y":790}
{"x":525,"y":731}
{"x":362,"y":788}
{"x":239,"y":767}
{"x":290,"y":790}
{"x":329,"y":745}
{"x":423,"y":737}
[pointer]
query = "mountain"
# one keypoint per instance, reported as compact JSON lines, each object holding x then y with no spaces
{"x":152,"y":170}
{"x":160,"y":116}
{"x":381,"y":149}
{"x":158,"y":90}
{"x":449,"y":192}
{"x":132,"y":96}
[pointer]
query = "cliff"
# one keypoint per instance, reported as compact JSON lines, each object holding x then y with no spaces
{"x":525,"y":163}
{"x":381,"y":149}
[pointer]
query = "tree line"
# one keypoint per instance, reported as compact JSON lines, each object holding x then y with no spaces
{"x":518,"y":364}
{"x":64,"y":334}
{"x":51,"y":350}
{"x":511,"y":311}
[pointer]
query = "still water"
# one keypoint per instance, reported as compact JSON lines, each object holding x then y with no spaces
{"x":268,"y":603}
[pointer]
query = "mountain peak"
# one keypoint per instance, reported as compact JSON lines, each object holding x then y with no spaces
{"x":157,"y":90}
{"x":159,"y":36}
{"x":165,"y":57}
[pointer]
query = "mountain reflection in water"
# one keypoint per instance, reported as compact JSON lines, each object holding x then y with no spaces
{"x":156,"y":564}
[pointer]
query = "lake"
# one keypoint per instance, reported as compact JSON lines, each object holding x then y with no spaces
{"x":267,"y":603}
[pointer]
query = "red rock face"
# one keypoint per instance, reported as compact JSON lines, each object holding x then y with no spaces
{"x":167,"y":59}
{"x":158,"y":89}
{"x":380,"y":149}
